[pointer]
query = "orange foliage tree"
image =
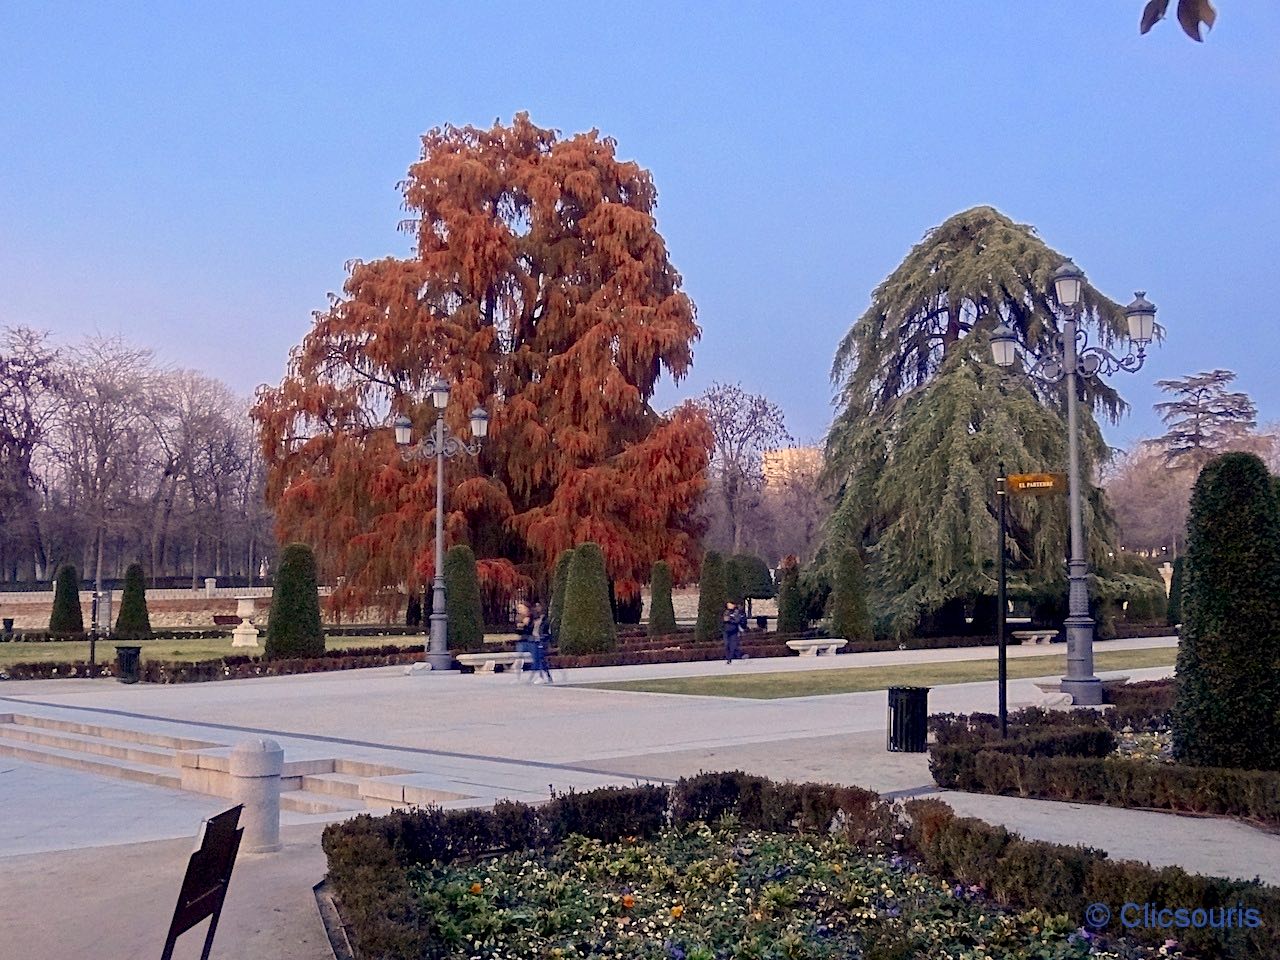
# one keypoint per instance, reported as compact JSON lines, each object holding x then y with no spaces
{"x":539,"y":288}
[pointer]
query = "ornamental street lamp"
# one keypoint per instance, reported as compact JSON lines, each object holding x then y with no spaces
{"x":1072,"y":359}
{"x":440,"y":443}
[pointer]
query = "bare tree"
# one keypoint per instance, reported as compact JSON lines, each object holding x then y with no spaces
{"x":744,"y":425}
{"x":1149,"y":496}
{"x":27,"y":380}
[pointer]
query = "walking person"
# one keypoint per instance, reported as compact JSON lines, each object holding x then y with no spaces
{"x":541,"y":640}
{"x":524,"y":631}
{"x":731,"y":624}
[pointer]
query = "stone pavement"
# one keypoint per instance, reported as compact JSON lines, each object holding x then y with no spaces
{"x":482,"y":737}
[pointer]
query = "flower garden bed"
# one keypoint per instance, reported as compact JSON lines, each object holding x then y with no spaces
{"x":1119,"y":757}
{"x":732,"y":866}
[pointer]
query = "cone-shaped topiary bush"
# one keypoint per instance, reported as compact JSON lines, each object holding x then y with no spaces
{"x":294,"y":629}
{"x":586,"y":624}
{"x":462,"y":599}
{"x":734,"y":585}
{"x":67,"y":618}
{"x":559,"y":581}
{"x":850,"y":616}
{"x":662,"y":614}
{"x":134,"y":623}
{"x":791,"y":601}
{"x":1175,"y":593}
{"x":712,"y":596}
{"x":1227,"y":712}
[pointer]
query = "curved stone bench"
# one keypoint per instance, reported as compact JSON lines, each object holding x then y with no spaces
{"x":487,"y":662}
{"x":816,"y":647}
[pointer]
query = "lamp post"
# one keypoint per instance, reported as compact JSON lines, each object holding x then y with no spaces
{"x":440,"y":443}
{"x":1075,"y":361}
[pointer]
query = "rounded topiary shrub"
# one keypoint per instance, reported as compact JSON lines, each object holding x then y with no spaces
{"x":462,"y":599}
{"x":134,"y":623}
{"x":662,"y":612}
{"x":586,"y":624}
{"x":1227,"y":711}
{"x":791,"y":600}
{"x":850,"y":615}
{"x":757,"y":580}
{"x":559,"y":581}
{"x":67,"y":619}
{"x":712,"y":596}
{"x":294,"y":630}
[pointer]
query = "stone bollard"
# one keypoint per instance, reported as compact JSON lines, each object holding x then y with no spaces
{"x":256,"y":766}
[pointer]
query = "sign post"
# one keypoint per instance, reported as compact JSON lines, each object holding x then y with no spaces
{"x":1023,"y":485}
{"x":204,"y":888}
{"x":1002,"y":614}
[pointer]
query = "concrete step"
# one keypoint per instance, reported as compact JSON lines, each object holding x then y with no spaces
{"x":104,"y":766}
{"x":107,"y":733}
{"x":81,"y":743}
{"x":306,"y":801}
{"x":333,"y":785}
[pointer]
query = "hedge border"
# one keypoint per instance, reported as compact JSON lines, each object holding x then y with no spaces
{"x":369,"y":857}
{"x":1065,"y":756}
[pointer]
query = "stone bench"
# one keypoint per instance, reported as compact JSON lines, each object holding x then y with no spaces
{"x":816,"y":647}
{"x":489,"y":662}
{"x":1035,"y":636}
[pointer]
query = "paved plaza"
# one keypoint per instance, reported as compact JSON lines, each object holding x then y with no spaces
{"x":103,"y":857}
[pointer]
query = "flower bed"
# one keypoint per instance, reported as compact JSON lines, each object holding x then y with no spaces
{"x":730,"y":865}
{"x":1120,"y":758}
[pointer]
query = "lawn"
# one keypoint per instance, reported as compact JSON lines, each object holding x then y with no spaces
{"x":809,"y":683}
{"x":65,"y":651}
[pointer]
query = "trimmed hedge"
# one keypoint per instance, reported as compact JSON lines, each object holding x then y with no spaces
{"x":1067,"y":756}
{"x":559,"y":581}
{"x":1228,"y":708}
{"x":791,"y":600}
{"x":713,"y":594}
{"x":586,"y":624}
{"x":1065,"y":880}
{"x":370,"y":858}
{"x":293,"y":626}
{"x":67,"y":619}
{"x":133,"y":622}
{"x":662,"y":613}
{"x":850,"y":615}
{"x":462,"y":599}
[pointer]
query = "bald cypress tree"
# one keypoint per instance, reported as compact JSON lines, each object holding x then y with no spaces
{"x":926,"y":418}
{"x":1227,"y":712}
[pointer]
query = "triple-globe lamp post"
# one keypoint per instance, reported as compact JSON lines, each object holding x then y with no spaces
{"x":1073,"y":359}
{"x":440,"y":443}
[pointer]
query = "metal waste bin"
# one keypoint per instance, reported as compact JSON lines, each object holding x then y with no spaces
{"x":128,"y":664}
{"x":908,"y":719}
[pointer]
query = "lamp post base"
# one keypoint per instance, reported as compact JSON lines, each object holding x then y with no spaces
{"x":440,"y":662}
{"x":1086,"y":692}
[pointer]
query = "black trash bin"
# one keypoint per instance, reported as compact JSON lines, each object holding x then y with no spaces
{"x":128,"y":664}
{"x":8,"y":628}
{"x":908,"y":719}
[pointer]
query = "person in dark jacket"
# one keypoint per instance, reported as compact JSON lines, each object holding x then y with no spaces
{"x":540,"y":638}
{"x":731,"y":624}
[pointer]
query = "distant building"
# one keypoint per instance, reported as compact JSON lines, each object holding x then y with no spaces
{"x":789,"y":463}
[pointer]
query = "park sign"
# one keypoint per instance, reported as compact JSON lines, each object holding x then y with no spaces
{"x":1037,"y":484}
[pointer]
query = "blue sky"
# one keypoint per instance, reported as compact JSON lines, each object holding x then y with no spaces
{"x":195,"y":176}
